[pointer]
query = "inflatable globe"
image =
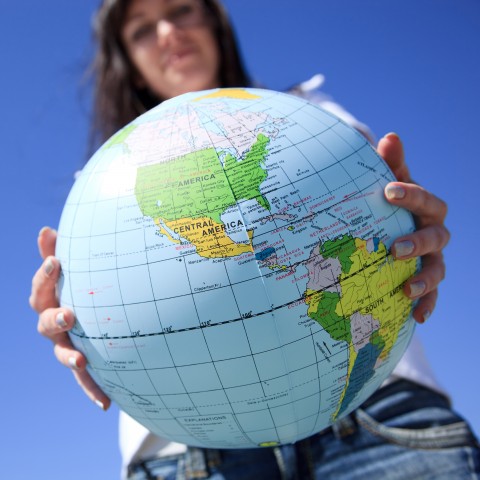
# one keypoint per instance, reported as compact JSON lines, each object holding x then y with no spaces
{"x":227,"y":258}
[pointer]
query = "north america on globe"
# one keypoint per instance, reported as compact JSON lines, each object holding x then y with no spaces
{"x":227,"y":259}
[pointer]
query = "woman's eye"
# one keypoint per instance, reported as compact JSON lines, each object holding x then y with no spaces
{"x":184,"y":10}
{"x":143,"y":32}
{"x":181,"y":12}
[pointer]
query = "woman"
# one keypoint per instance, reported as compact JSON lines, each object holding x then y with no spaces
{"x":152,"y":50}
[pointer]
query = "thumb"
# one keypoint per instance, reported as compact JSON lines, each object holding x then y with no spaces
{"x":47,"y":239}
{"x":390,"y":148}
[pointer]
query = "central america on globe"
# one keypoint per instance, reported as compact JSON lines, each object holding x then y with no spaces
{"x":227,"y":259}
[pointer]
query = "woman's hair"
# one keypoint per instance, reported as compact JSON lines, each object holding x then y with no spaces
{"x":117,"y":98}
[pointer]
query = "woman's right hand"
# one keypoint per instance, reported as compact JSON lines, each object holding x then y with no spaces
{"x":54,"y":321}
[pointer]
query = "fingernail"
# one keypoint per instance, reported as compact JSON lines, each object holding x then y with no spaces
{"x":48,"y":267}
{"x":72,"y":362}
{"x":394,"y":192}
{"x":392,"y":135}
{"x":416,"y":289}
{"x":99,"y":404}
{"x":60,"y":320}
{"x":426,"y":315}
{"x":402,"y":249}
{"x":44,"y":230}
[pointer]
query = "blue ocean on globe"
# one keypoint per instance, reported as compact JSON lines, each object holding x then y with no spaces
{"x":227,"y":258}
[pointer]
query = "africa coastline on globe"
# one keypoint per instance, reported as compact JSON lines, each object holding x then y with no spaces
{"x":227,"y":257}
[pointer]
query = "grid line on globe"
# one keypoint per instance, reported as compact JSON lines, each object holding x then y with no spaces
{"x":227,"y":259}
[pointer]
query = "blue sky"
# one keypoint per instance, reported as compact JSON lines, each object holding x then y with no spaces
{"x":412,"y":66}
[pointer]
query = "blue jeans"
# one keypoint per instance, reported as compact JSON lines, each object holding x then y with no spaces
{"x":403,"y":432}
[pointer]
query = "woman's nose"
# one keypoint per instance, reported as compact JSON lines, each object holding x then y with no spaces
{"x":164,"y":30}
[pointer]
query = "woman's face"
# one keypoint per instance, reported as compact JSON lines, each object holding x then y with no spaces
{"x":171,"y":45}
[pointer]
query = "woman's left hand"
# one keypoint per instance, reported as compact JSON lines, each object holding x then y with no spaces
{"x":431,"y":235}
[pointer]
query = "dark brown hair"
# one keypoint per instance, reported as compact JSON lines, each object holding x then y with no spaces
{"x":117,"y":99}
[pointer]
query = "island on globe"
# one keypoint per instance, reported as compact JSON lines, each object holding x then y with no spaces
{"x":227,"y":258}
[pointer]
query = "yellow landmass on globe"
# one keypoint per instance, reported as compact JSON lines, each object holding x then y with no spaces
{"x":239,"y":93}
{"x":352,"y":358}
{"x":209,"y":237}
{"x":373,"y":286}
{"x":268,"y":444}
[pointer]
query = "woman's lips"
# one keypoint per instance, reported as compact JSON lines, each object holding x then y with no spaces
{"x":178,"y":57}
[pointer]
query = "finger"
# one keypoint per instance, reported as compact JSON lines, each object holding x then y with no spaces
{"x":53,"y":321}
{"x":92,"y":390}
{"x":390,"y":148}
{"x":67,"y":354}
{"x":43,"y":293}
{"x":76,"y":361}
{"x":425,"y":307}
{"x":426,"y":241}
{"x":427,"y":207}
{"x":428,"y":278}
{"x":47,"y":239}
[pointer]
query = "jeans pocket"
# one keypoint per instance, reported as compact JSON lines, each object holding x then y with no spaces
{"x":453,"y":435}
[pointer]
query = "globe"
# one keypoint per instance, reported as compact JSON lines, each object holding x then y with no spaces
{"x":227,"y":258}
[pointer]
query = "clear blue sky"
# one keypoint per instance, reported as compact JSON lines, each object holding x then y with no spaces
{"x":412,"y":66}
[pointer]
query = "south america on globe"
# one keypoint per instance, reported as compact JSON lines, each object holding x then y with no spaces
{"x":227,"y":258}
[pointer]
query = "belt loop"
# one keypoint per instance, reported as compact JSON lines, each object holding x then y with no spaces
{"x":344,"y":427}
{"x":195,"y":464}
{"x":277,"y":452}
{"x":180,"y":469}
